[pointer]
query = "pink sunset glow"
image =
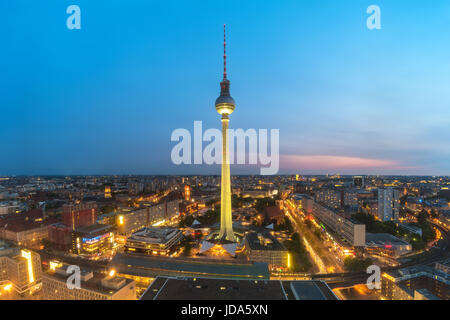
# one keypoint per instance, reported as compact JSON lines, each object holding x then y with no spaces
{"x":328,"y":162}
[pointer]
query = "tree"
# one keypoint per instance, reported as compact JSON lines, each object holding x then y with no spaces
{"x":352,"y":264}
{"x":417,"y":243}
{"x":285,"y":226}
{"x":187,"y":246}
{"x":434,"y":214}
{"x":107,"y":209}
{"x":186,"y":221}
{"x":211,"y":202}
{"x":403,"y":199}
{"x":422,"y":217}
{"x":428,"y":232}
{"x":308,"y":223}
{"x":210,"y":217}
{"x":48,"y":246}
{"x":263,"y":203}
{"x":300,"y":261}
{"x":318,"y":234}
{"x":239,"y":202}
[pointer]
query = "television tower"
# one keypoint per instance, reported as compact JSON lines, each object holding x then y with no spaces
{"x":225,"y":106}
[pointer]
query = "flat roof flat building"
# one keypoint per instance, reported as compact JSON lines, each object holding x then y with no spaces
{"x":152,"y":266}
{"x":93,"y":286}
{"x":132,"y":221}
{"x":154,"y":240}
{"x":402,"y":284}
{"x":166,"y":288}
{"x":444,"y":266}
{"x":264,"y":247}
{"x":92,"y":239}
{"x":387,"y":243}
{"x":19,"y":267}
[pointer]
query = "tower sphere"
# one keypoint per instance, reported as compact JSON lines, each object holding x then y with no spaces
{"x":225,"y":103}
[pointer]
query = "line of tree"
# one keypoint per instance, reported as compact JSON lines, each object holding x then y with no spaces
{"x":263,"y":203}
{"x":239,"y":202}
{"x":300,"y":261}
{"x":286,"y":225}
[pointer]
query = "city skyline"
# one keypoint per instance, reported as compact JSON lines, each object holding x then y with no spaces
{"x":134,"y":236}
{"x":105,"y":99}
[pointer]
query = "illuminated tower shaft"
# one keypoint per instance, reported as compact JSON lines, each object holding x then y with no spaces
{"x":225,"y":106}
{"x":226,"y":221}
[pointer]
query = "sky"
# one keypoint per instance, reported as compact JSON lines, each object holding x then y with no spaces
{"x":105,"y":99}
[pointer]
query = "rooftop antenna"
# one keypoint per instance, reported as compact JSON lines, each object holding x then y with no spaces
{"x":224,"y":54}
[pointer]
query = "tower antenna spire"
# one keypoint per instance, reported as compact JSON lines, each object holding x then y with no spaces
{"x":224,"y":54}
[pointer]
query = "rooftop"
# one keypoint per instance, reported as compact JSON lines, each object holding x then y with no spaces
{"x":383,"y":239}
{"x":165,"y":288}
{"x":419,"y":271}
{"x":93,"y":281}
{"x":151,"y":266}
{"x":263,"y":241}
{"x":95,"y":228}
{"x":445,"y":262}
{"x":23,"y":223}
{"x":427,"y":294}
{"x":6,"y":248}
{"x":154,"y":234}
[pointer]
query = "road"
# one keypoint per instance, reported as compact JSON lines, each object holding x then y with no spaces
{"x":326,"y":261}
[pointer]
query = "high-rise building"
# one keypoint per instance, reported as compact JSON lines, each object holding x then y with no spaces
{"x":79,"y":215}
{"x":358,"y":181}
{"x":20,"y":268}
{"x":388,"y":204}
{"x":303,"y":187}
{"x":350,"y":198}
{"x":93,"y":239}
{"x":60,"y":236}
{"x":329,"y":197}
{"x":135,"y":187}
{"x":73,"y":217}
{"x":187,"y":193}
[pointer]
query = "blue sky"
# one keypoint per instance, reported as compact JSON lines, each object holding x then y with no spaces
{"x":105,"y":99}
